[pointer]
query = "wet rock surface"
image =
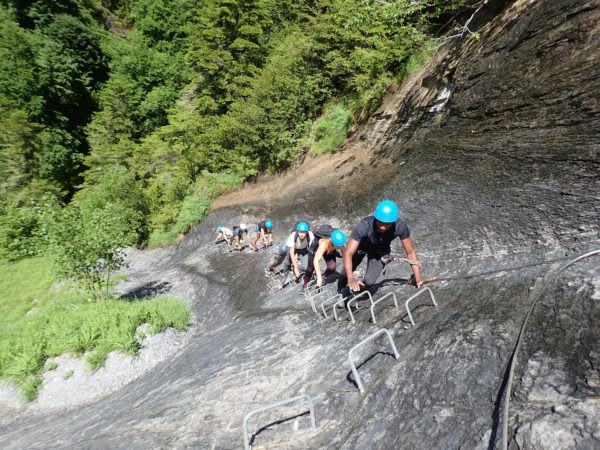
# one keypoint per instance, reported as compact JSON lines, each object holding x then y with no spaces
{"x":499,"y":189}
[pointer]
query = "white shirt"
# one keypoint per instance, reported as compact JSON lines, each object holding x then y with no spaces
{"x":291,"y":244}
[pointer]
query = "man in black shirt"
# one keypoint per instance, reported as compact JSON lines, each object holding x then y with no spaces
{"x":372,"y":237}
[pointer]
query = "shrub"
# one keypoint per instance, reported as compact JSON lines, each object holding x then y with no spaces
{"x":87,"y":245}
{"x":330,"y":130}
{"x":18,"y":232}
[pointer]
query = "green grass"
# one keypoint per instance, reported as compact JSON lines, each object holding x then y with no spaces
{"x":162,"y":237}
{"x":194,"y":210}
{"x":330,"y":130}
{"x":68,"y":322}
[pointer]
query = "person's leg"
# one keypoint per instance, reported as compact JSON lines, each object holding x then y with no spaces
{"x":287,"y":263}
{"x":310,"y":268}
{"x":303,"y":262}
{"x":374,"y":268}
{"x":330,"y":264}
{"x":278,"y":257}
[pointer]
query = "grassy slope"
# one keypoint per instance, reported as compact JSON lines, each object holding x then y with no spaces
{"x":39,"y":320}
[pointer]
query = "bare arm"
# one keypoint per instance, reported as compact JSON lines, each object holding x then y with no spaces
{"x":317,"y":259}
{"x":411,"y":254}
{"x":294,"y":260}
{"x":349,"y":252}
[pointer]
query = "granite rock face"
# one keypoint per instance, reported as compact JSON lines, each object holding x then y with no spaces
{"x":492,"y":154}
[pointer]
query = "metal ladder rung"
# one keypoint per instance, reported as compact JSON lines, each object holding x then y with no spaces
{"x":423,"y":290}
{"x":305,"y":397}
{"x":364,"y":341}
{"x":379,"y":300}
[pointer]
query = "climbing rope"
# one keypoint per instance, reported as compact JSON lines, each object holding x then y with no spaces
{"x":518,"y":346}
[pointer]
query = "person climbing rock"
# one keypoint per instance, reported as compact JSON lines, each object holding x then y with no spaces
{"x":372,"y":238}
{"x":296,"y":246}
{"x":223,"y":234}
{"x":326,"y":245}
{"x":298,"y":243}
{"x":237,"y":235}
{"x":264,"y":232}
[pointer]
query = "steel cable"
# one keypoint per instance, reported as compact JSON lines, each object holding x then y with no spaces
{"x":518,"y":346}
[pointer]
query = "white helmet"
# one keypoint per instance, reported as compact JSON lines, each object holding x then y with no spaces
{"x":243,"y":226}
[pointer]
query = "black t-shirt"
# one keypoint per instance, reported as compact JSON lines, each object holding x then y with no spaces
{"x":375,"y":243}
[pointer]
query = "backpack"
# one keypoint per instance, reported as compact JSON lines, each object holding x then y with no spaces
{"x":322,"y":231}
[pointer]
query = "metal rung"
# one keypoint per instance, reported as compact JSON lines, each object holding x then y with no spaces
{"x":341,"y":300}
{"x":379,"y":300}
{"x":355,"y":300}
{"x":415,"y":296}
{"x":315,"y":292}
{"x":331,"y":301}
{"x":305,"y":397}
{"x":373,"y":336}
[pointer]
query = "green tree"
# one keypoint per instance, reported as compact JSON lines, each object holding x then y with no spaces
{"x":19,"y":148}
{"x":143,"y":86}
{"x":119,"y":192}
{"x":227,"y":48}
{"x":18,"y":70}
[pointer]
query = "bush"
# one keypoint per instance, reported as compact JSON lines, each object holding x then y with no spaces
{"x":18,"y":232}
{"x":416,"y":60}
{"x":117,"y":190}
{"x":87,"y":245}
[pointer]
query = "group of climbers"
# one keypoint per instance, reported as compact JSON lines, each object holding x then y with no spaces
{"x":304,"y":249}
{"x":263,"y":231}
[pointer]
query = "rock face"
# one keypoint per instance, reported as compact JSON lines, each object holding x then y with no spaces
{"x":492,"y":154}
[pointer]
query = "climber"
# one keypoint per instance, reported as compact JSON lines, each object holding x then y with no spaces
{"x":372,"y":237}
{"x":264,"y":231}
{"x":223,"y":234}
{"x":295,"y":246}
{"x":237,"y":235}
{"x":326,"y":245}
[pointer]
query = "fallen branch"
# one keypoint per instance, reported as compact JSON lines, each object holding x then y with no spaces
{"x":464,"y":29}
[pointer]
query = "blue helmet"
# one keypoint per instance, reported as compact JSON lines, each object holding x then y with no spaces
{"x":338,"y":238}
{"x":219,"y":229}
{"x":302,"y":226}
{"x":386,"y":211}
{"x":268,"y":224}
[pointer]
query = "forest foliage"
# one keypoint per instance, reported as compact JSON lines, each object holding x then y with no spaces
{"x":134,"y":114}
